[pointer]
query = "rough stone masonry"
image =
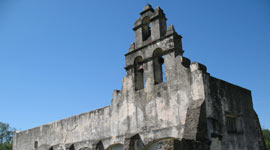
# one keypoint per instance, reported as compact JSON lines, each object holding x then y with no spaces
{"x":166,"y":103}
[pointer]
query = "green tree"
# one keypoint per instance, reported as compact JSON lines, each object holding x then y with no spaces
{"x":266,"y":136}
{"x":6,"y":135}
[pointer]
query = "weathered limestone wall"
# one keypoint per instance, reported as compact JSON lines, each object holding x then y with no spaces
{"x":196,"y":125}
{"x":224,"y":101}
{"x":91,"y":125}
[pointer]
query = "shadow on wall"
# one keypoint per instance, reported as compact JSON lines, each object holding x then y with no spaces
{"x":135,"y":143}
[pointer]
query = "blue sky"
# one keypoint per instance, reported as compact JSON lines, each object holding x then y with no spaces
{"x":59,"y":58}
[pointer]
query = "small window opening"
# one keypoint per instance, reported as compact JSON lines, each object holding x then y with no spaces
{"x":36,"y":145}
{"x":51,"y":148}
{"x":163,"y":70}
{"x":158,"y":66}
{"x":233,"y":124}
{"x":146,"y":29}
{"x":138,"y":73}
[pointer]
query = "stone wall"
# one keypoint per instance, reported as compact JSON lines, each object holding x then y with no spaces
{"x":232,"y":121}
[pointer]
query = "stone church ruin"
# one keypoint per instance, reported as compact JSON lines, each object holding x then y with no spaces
{"x":166,"y":103}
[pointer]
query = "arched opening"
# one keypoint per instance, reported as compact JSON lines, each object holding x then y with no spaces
{"x":165,"y":143}
{"x":36,"y":144}
{"x":158,"y":66}
{"x":138,"y":73}
{"x":51,"y":148}
{"x":99,"y":146}
{"x":136,"y":143}
{"x":71,"y":147}
{"x":146,"y":29}
{"x":116,"y":147}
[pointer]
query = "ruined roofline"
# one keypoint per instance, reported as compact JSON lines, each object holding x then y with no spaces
{"x":65,"y":119}
{"x":231,"y":84}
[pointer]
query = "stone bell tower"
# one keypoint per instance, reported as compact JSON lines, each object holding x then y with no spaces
{"x":153,"y":41}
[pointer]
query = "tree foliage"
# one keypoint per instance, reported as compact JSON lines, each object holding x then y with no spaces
{"x":6,"y":135}
{"x":266,"y":135}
